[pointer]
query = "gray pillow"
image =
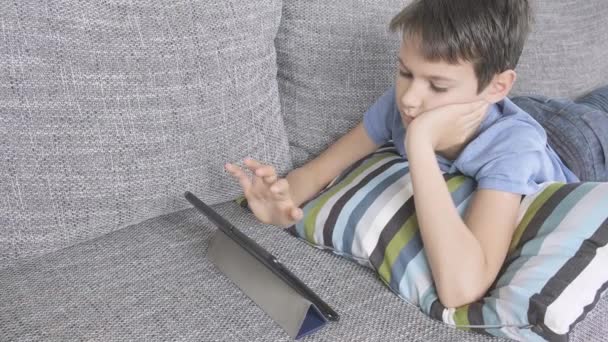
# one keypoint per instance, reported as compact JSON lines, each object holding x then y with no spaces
{"x":110,"y":111}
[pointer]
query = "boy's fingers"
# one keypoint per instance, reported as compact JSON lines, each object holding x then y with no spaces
{"x":252,"y":164}
{"x":296,"y":214}
{"x":280,"y":187}
{"x":270,"y":179}
{"x":477,"y":113}
{"x":268,"y":173}
{"x":482,"y":106}
{"x":240,"y":175}
{"x":475,"y":107}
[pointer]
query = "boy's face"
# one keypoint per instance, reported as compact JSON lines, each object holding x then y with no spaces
{"x":422,"y":85}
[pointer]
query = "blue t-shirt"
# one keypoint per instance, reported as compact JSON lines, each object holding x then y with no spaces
{"x":509,"y":152}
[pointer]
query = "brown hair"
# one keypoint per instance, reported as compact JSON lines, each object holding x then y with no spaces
{"x":488,"y":33}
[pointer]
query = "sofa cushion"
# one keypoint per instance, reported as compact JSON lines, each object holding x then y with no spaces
{"x":153,"y":282}
{"x":565,"y":52}
{"x":335,"y":60}
{"x":553,"y":274}
{"x":111,"y":110}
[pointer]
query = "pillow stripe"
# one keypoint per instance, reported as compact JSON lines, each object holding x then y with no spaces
{"x":453,"y":181}
{"x":372,"y":223}
{"x":378,"y":215}
{"x":549,"y":219}
{"x":312,"y":207}
{"x":474,"y":312}
{"x":403,"y":219}
{"x":565,"y":194}
{"x":416,"y":284}
{"x":378,"y":194}
{"x":377,"y":161}
{"x":436,"y":310}
{"x":464,"y":191}
{"x":311,"y":210}
{"x":358,"y":163}
{"x":397,"y":247}
{"x":530,"y":209}
{"x":562,"y":286}
{"x":461,"y":317}
{"x":556,"y":236}
{"x":582,"y":199}
{"x":386,"y":148}
{"x":536,"y":208}
{"x":402,"y":248}
{"x":335,"y":223}
{"x":546,"y":206}
{"x":541,"y":257}
{"x":555,"y":327}
{"x":406,"y":217}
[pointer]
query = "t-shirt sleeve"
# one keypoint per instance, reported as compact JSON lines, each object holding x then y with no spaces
{"x":518,"y":173}
{"x":516,"y":163}
{"x":378,"y":120}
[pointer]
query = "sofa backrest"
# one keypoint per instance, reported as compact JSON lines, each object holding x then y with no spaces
{"x":336,"y":58}
{"x":565,"y":55}
{"x":111,"y":110}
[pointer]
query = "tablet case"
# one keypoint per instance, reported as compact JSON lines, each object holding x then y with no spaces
{"x":261,"y":276}
{"x":293,"y":312}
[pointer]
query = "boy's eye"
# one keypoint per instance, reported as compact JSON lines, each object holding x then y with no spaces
{"x":433,"y":87}
{"x":438,"y":89}
{"x":405,"y":74}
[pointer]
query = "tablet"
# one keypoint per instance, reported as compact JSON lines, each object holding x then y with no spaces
{"x":263,"y":256}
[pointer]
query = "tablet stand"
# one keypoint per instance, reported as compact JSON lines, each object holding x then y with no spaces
{"x":293,"y":312}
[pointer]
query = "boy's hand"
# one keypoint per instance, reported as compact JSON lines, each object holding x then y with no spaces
{"x":447,"y":126}
{"x":268,"y":196}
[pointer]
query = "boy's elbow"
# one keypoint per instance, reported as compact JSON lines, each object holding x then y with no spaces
{"x":454,"y":295}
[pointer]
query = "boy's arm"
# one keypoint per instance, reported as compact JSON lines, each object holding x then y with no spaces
{"x":309,"y":179}
{"x":464,"y":256}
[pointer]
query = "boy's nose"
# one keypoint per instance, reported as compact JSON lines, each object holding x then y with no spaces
{"x":410,"y":111}
{"x":411,"y":100}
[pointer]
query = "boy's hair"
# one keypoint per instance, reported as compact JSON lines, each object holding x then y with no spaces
{"x":488,"y":33}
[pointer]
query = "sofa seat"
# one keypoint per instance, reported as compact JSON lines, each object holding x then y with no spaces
{"x":152,"y":281}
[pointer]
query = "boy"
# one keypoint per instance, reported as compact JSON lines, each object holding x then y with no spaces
{"x":448,"y":111}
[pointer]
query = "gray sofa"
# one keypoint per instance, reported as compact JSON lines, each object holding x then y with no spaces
{"x":110,"y":110}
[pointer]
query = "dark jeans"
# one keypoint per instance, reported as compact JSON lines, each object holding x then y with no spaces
{"x":577,"y":130}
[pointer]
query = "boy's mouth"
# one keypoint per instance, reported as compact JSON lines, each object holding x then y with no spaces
{"x":407,"y":118}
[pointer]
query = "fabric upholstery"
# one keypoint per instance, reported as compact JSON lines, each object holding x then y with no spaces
{"x":336,"y":59}
{"x":153,"y":282}
{"x":565,"y":52}
{"x":111,"y":110}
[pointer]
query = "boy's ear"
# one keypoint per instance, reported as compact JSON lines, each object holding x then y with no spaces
{"x":500,"y":86}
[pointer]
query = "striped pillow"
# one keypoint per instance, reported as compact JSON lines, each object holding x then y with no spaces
{"x":367,"y":214}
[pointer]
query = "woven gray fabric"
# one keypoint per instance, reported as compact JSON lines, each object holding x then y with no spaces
{"x":565,"y":55}
{"x":335,"y":59}
{"x":111,"y":110}
{"x":152,"y":281}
